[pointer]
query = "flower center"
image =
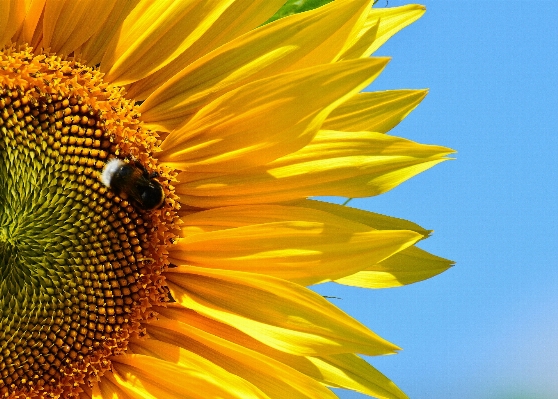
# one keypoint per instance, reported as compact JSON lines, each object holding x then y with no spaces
{"x":79,"y":261}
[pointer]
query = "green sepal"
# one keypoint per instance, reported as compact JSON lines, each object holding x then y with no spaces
{"x":292,"y":7}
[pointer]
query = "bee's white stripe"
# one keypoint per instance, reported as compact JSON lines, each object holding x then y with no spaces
{"x":110,"y":169}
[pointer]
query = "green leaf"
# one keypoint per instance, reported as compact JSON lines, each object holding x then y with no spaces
{"x":292,"y":7}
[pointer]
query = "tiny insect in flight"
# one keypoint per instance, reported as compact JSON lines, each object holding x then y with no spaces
{"x":133,"y":180}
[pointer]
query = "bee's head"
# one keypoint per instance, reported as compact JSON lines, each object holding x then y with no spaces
{"x":151,"y":195}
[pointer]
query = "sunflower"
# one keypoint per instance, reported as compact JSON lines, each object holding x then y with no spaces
{"x":157,"y":160}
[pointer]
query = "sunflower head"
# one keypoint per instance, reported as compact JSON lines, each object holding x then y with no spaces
{"x":156,"y":163}
{"x":80,"y":265}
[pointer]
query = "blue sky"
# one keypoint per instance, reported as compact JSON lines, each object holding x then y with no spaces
{"x":488,"y":327}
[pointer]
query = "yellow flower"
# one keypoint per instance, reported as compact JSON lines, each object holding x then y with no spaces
{"x":230,"y":126}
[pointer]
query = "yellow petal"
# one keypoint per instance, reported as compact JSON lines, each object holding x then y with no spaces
{"x":406,"y":267}
{"x":375,"y":112}
{"x":240,"y":17}
{"x":12,"y":13}
{"x":68,"y":24}
{"x":32,"y":29}
{"x":93,"y":49}
{"x":342,"y":370}
{"x":381,"y":24}
{"x":175,"y":311}
{"x":302,"y":245}
{"x":375,"y":220}
{"x":266,"y":119}
{"x":156,"y":33}
{"x":348,"y":371}
{"x":346,"y":164}
{"x":273,"y":378}
{"x":108,"y":388}
{"x":178,"y":313}
{"x":294,"y":319}
{"x":331,"y":46}
{"x":149,"y":377}
{"x":264,"y":52}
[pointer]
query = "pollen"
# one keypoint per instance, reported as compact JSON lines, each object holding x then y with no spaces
{"x":80,"y":267}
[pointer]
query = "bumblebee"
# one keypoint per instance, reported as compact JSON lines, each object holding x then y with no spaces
{"x":132,"y":180}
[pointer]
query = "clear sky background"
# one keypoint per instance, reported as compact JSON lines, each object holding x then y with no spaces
{"x":488,"y":327}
